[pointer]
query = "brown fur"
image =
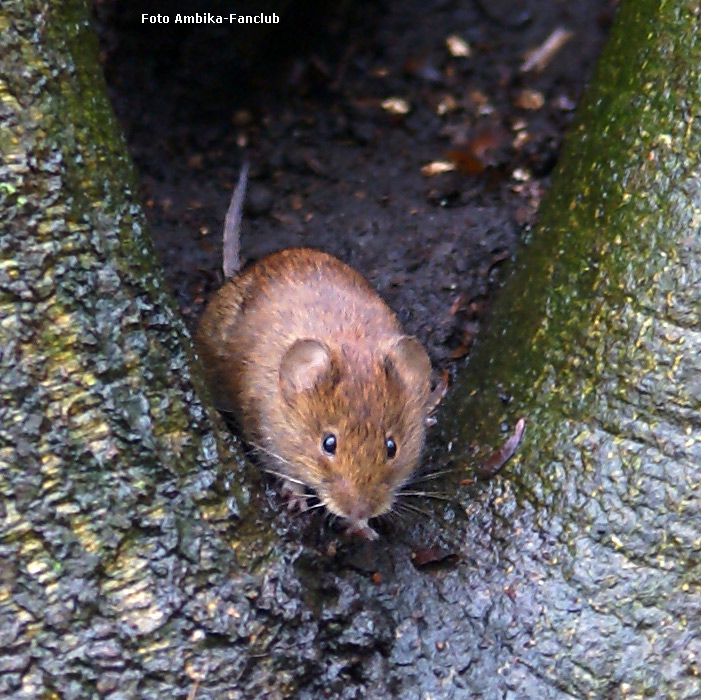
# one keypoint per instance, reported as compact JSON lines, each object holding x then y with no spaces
{"x":362,"y":380}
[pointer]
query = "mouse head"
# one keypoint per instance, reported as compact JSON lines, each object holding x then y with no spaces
{"x":354,"y":425}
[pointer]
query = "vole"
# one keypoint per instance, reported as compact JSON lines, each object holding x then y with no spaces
{"x":319,"y":374}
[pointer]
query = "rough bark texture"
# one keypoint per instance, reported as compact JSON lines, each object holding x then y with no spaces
{"x":597,"y":341}
{"x":134,"y":565}
{"x":106,"y":453}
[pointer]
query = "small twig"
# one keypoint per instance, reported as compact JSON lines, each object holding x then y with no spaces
{"x":538,"y":58}
{"x":198,"y":680}
{"x":193,"y":690}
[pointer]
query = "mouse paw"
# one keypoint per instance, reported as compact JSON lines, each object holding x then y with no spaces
{"x":295,"y":496}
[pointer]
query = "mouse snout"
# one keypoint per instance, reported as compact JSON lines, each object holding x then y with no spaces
{"x":346,"y":501}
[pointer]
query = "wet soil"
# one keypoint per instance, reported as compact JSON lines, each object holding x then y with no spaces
{"x":348,"y":119}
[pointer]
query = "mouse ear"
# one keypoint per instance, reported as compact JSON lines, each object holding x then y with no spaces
{"x":305,"y":364}
{"x":407,"y":359}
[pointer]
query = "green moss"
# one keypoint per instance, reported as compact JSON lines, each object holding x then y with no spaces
{"x":611,"y":240}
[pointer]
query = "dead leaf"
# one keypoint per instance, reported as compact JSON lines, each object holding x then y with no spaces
{"x":432,"y":555}
{"x":500,"y":457}
{"x":457,"y":46}
{"x":529,"y":99}
{"x":396,"y":105}
{"x":482,"y":151}
{"x":436,"y":168}
{"x":465,"y":161}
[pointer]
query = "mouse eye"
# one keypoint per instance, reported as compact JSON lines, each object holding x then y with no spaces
{"x":329,"y":444}
{"x":391,"y":446}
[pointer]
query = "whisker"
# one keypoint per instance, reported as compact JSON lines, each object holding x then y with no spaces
{"x":404,"y":506}
{"x":308,"y":508}
{"x":394,"y":514}
{"x":426,"y":494}
{"x":285,"y":477}
{"x":432,"y":475}
{"x":266,"y":451}
{"x":316,"y":505}
{"x":411,"y":508}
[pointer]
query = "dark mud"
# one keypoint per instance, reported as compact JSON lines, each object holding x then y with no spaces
{"x":336,"y":166}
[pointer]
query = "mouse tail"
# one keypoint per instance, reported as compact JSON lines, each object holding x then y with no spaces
{"x":231,"y":245}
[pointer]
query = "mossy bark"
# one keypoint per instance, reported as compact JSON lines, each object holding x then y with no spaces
{"x":140,"y":561}
{"x":108,"y":460}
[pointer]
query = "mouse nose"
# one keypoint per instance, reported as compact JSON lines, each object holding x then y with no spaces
{"x":359,"y":511}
